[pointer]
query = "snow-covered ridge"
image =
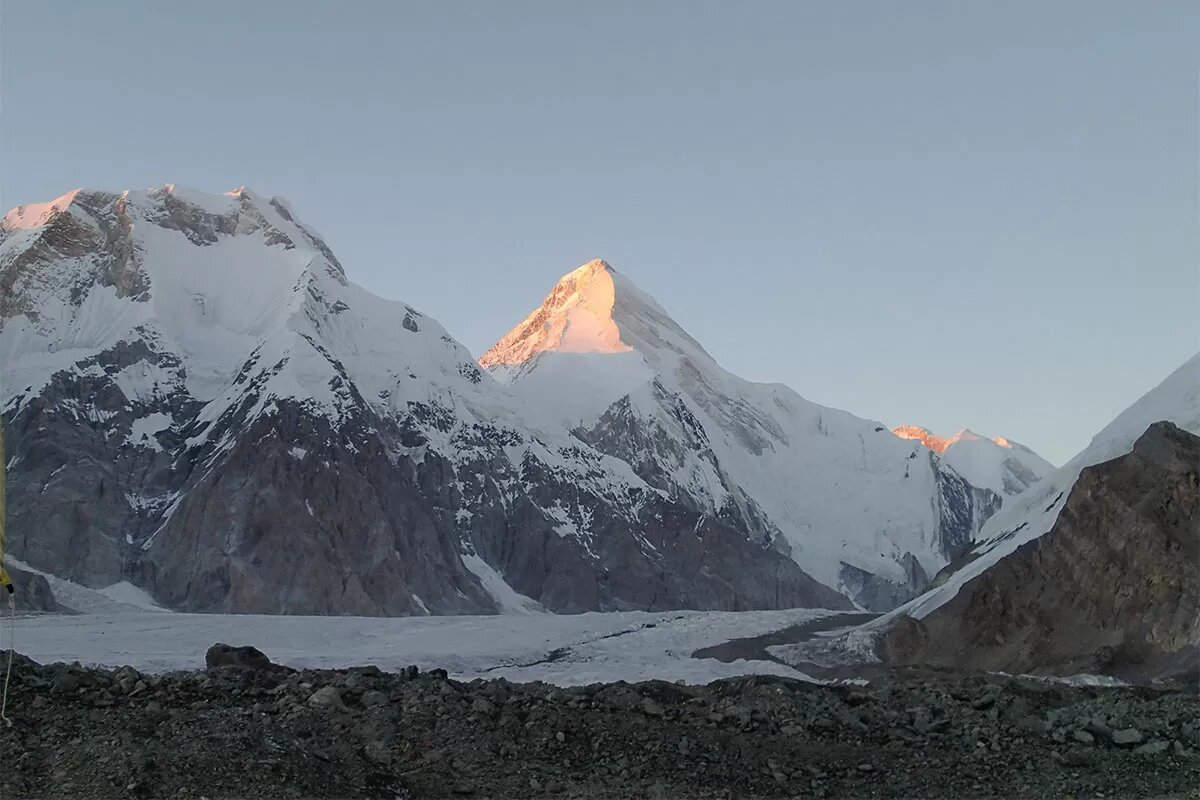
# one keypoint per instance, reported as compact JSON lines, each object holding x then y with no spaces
{"x":999,"y":464}
{"x":35,"y":215}
{"x":223,"y":279}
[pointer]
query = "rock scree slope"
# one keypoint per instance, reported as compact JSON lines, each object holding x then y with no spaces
{"x":362,"y":733}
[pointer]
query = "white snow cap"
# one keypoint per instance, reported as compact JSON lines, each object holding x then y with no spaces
{"x":1000,"y":464}
{"x":576,"y":317}
{"x":34,"y":215}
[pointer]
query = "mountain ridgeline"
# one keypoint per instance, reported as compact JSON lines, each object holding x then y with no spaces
{"x":198,"y":401}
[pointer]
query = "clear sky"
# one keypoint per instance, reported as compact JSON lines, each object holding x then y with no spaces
{"x":940,"y":213}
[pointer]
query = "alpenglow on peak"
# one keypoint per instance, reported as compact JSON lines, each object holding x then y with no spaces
{"x":576,"y":317}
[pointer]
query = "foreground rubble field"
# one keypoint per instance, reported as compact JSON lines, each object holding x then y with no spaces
{"x":273,"y":733}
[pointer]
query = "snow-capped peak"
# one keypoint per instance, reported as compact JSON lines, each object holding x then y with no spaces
{"x":219,"y":280}
{"x":923,"y":435}
{"x":834,"y":490}
{"x":939,"y":444}
{"x":577,"y":317}
{"x":35,"y":215}
{"x":595,"y":309}
{"x":999,"y":464}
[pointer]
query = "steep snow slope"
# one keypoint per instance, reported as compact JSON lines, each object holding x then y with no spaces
{"x":215,"y":279}
{"x":201,"y":404}
{"x":1002,"y":465}
{"x":851,"y":503}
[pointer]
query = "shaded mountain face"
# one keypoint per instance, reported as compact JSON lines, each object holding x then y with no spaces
{"x":859,"y":508}
{"x":197,"y":400}
{"x":999,"y":464}
{"x":1111,"y":588}
{"x":1091,"y":569}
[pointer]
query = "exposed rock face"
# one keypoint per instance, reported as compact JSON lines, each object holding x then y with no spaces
{"x":1111,"y":588}
{"x":876,"y":593}
{"x":31,"y":592}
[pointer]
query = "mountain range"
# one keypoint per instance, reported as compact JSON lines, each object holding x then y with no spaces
{"x":198,"y":401}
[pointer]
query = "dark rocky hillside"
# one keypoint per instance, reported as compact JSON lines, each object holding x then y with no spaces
{"x":1112,"y":588}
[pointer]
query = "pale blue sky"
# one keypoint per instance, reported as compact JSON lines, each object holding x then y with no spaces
{"x":941,"y":213}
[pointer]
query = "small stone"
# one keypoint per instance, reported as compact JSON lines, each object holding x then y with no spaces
{"x":327,"y":697}
{"x":866,"y":768}
{"x":378,"y":753}
{"x":67,"y":683}
{"x":535,"y":784}
{"x":1152,"y":748}
{"x":463,"y":789}
{"x":984,"y":703}
{"x":560,"y":737}
{"x":374,"y":698}
{"x":1083,"y":737}
{"x":1178,"y":748}
{"x":1075,"y":757}
{"x":1033,"y":724}
{"x":1126,"y":737}
{"x":482,"y":706}
{"x":652,"y":708}
{"x":553,"y":786}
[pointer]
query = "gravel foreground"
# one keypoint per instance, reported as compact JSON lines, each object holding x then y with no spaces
{"x":361,"y":733}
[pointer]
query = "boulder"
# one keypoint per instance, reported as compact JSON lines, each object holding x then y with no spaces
{"x":244,"y":657}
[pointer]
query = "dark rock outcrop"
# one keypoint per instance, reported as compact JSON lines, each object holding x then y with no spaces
{"x":877,"y":593}
{"x":1112,"y":588}
{"x":243,"y":657}
{"x":31,"y":592}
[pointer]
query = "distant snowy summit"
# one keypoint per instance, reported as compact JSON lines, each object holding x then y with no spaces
{"x":577,"y":317}
{"x":861,"y":510}
{"x":999,"y":464}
